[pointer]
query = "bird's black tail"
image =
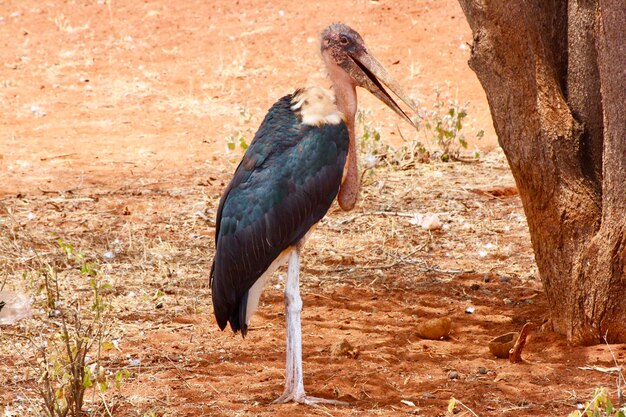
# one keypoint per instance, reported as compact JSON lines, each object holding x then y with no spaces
{"x":228,"y":311}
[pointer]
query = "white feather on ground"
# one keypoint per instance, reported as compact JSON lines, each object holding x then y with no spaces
{"x":13,"y":307}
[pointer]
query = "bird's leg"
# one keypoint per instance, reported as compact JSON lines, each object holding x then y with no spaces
{"x":294,"y":381}
{"x":294,"y":384}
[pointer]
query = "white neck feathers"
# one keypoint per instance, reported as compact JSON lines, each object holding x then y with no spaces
{"x":316,"y":107}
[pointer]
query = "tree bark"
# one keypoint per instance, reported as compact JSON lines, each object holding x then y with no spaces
{"x":554,"y":73}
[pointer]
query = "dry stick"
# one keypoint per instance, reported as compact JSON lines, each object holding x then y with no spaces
{"x":590,"y":403}
{"x":466,"y":407}
{"x":49,"y":158}
{"x":620,"y":375}
{"x":4,"y":281}
{"x":515,"y":354}
{"x":106,"y":407}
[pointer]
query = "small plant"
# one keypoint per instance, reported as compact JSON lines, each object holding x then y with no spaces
{"x":238,"y":138}
{"x":68,"y":358}
{"x":446,"y":124}
{"x":235,"y":140}
{"x":452,"y":407}
{"x":375,"y":151}
{"x":600,"y":406}
{"x":370,"y":145}
{"x":246,"y":116}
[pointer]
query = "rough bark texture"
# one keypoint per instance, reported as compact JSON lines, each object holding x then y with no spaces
{"x":555,"y":74}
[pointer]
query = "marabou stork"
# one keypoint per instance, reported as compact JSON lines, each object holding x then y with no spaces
{"x":301,"y":158}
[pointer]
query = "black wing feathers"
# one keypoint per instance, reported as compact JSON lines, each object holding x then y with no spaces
{"x":285,"y":183}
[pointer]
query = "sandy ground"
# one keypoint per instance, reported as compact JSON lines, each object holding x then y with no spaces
{"x":113,"y":136}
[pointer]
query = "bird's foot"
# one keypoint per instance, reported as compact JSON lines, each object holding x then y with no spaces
{"x":301,"y":398}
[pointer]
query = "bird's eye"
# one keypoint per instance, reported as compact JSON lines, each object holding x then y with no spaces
{"x":343,"y":40}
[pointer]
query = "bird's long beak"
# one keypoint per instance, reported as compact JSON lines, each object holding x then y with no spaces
{"x":371,"y":75}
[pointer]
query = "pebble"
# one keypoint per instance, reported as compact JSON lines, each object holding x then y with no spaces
{"x":453,"y":375}
{"x":343,"y":348}
{"x":482,"y":370}
{"x":434,"y":329}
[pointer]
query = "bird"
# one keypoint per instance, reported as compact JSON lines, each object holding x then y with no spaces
{"x":301,"y":159}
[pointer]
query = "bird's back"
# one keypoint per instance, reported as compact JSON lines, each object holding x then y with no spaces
{"x":285,"y":183}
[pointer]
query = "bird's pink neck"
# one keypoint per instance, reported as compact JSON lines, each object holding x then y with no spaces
{"x":345,"y":94}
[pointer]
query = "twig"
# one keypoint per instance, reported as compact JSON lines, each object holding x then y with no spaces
{"x":620,"y":375}
{"x":515,"y":355}
{"x":212,"y":387}
{"x":466,"y":160}
{"x":267,"y":326}
{"x":601,"y":369}
{"x":49,"y":158}
{"x":464,"y":406}
{"x":447,"y":271}
{"x":593,"y":401}
{"x":43,"y":190}
{"x":71,"y":200}
{"x":106,"y":407}
{"x":399,"y":214}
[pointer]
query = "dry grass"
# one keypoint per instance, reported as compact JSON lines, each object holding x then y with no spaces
{"x":161,"y":257}
{"x":127,"y":165}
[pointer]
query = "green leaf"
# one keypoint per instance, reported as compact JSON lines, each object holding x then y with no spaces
{"x":451,"y":405}
{"x":87,"y":378}
{"x":88,"y":269}
{"x":103,"y":386}
{"x":120,"y":376}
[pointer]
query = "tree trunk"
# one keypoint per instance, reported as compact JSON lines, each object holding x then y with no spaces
{"x":555,"y":77}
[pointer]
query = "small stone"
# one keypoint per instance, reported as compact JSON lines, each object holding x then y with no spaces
{"x":486,"y":278}
{"x":474,"y":287}
{"x":37,"y":111}
{"x":343,"y":348}
{"x":508,"y":301}
{"x":505,"y":278}
{"x":428,"y":396}
{"x":431,"y":221}
{"x":482,"y":370}
{"x":453,"y":375}
{"x":434,"y":329}
{"x":470,"y":310}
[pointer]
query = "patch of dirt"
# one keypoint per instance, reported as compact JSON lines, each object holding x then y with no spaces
{"x":114,"y":138}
